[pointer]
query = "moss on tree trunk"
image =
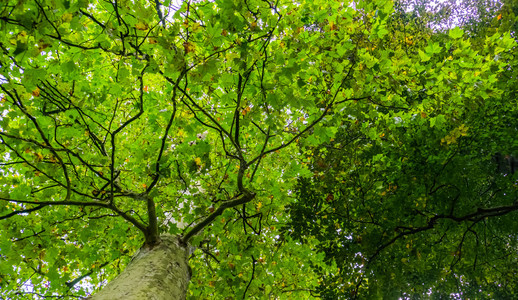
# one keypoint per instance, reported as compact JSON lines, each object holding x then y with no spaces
{"x":161,"y":272}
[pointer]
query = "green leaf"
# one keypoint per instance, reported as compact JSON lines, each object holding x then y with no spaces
{"x":32,"y":77}
{"x":382,"y":31}
{"x":456,"y":33}
{"x":424,"y":57}
{"x":433,"y":48}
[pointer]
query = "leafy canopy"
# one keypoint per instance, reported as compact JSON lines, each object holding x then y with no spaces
{"x":419,"y":199}
{"x":124,"y":120}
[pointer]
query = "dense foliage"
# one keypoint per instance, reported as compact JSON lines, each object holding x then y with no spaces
{"x":122,"y":120}
{"x":419,"y":199}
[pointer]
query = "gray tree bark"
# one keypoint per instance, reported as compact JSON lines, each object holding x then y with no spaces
{"x":159,"y":273}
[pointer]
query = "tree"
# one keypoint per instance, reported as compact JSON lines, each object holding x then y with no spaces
{"x":418,"y":200}
{"x":129,"y":124}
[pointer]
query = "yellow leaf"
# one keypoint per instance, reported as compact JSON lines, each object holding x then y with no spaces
{"x":22,"y":37}
{"x":188,"y":47}
{"x":141,"y":26}
{"x":451,"y":140}
{"x":196,"y":27}
{"x":67,"y":17}
{"x":197,"y":160}
{"x":259,"y":205}
{"x":186,"y":114}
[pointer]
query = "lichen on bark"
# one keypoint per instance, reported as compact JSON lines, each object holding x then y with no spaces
{"x":160,"y":272}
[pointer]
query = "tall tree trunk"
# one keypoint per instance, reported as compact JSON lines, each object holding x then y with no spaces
{"x":160,"y":272}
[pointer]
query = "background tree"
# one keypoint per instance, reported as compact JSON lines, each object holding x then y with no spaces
{"x":410,"y":194}
{"x":123,"y":121}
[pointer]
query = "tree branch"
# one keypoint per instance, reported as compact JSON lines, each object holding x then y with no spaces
{"x":245,"y":198}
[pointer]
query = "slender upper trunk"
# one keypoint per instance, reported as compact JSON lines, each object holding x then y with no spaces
{"x":160,"y":272}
